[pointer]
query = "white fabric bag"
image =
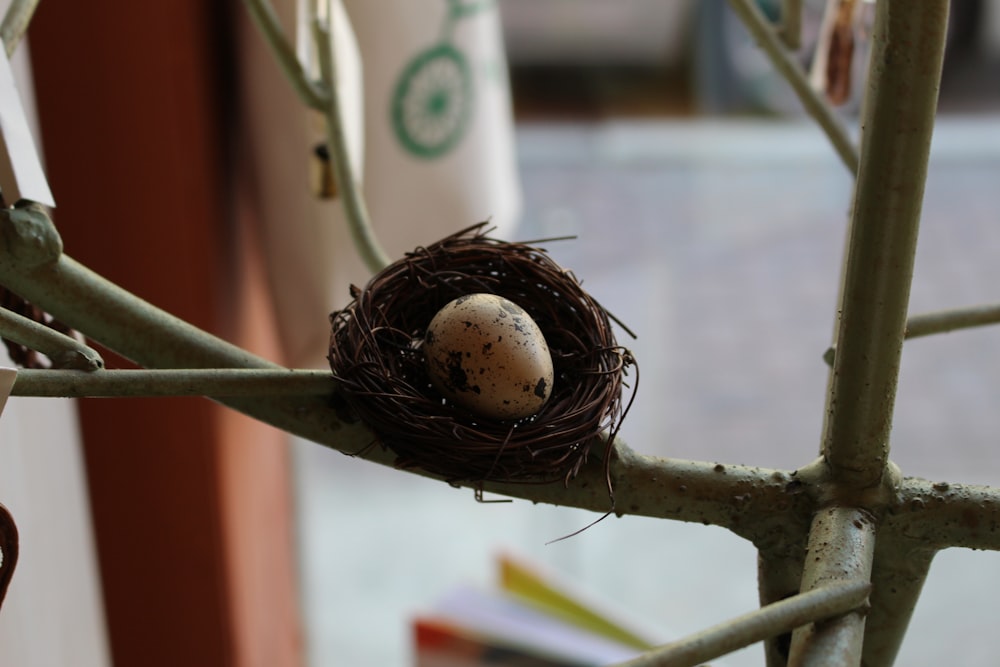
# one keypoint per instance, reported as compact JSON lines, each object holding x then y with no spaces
{"x":429,"y":79}
{"x":439,"y":132}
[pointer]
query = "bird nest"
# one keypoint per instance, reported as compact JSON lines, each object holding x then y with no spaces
{"x":376,"y":356}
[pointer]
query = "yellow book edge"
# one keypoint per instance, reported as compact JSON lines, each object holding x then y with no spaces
{"x":542,"y":592}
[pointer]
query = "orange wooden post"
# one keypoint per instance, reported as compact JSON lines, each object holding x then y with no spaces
{"x":191,"y":502}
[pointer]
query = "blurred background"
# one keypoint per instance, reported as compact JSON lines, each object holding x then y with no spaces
{"x":709,"y":216}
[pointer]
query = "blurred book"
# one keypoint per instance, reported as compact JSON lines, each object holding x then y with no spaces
{"x":532,"y":619}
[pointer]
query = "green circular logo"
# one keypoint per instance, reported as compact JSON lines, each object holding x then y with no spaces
{"x":432,"y":102}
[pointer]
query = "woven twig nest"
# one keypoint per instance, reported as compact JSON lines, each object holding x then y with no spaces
{"x":376,"y":356}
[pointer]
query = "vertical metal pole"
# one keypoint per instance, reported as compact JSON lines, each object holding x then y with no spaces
{"x":898,"y":120}
{"x":791,"y":23}
{"x":904,"y":77}
{"x":779,"y":576}
{"x":897,"y":578}
{"x":841,"y":548}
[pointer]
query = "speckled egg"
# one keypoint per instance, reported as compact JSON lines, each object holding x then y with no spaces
{"x":485,"y":353}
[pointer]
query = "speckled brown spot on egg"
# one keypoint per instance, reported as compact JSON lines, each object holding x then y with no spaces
{"x":494,"y":340}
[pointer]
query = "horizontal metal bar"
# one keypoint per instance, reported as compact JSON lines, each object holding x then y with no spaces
{"x":174,"y":382}
{"x":943,"y":321}
{"x":774,"y":619}
{"x":937,"y":515}
{"x":763,"y":505}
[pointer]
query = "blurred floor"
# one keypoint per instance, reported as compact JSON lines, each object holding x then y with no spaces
{"x":719,"y":243}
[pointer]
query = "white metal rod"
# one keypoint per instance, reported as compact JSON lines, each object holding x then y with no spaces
{"x":774,"y":619}
{"x":173,"y":382}
{"x":841,"y":549}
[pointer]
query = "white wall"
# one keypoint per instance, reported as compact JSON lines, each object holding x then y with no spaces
{"x":53,"y":615}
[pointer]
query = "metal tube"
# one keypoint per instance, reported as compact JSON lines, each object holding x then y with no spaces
{"x":153,"y":338}
{"x":905,"y":72}
{"x":63,"y":350}
{"x":263,"y":15}
{"x":180,"y":382}
{"x":31,"y":264}
{"x":359,"y":223}
{"x":840,"y":549}
{"x":897,"y":578}
{"x":778,"y":577}
{"x":820,"y":604}
{"x":942,"y":321}
{"x":758,"y":504}
{"x":937,"y":515}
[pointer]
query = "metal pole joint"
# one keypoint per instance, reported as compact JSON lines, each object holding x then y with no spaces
{"x":28,"y":236}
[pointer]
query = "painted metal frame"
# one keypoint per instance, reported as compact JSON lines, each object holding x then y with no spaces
{"x":869,"y":533}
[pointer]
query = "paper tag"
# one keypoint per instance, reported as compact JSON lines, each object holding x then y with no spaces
{"x":21,"y":172}
{"x":7,"y":377}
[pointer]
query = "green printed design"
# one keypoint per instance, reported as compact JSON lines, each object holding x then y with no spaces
{"x":432,"y":103}
{"x":433,"y":100}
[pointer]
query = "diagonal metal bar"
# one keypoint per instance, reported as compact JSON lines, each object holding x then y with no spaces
{"x":898,"y":576}
{"x":820,"y":604}
{"x":937,"y":515}
{"x":63,"y":350}
{"x":310,"y":92}
{"x":926,"y":517}
{"x":785,"y":64}
{"x":779,"y":576}
{"x":908,"y":49}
